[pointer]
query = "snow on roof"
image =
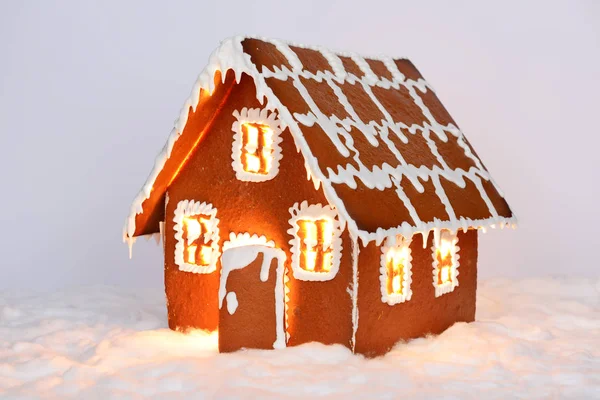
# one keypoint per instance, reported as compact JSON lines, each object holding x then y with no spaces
{"x":372,"y":132}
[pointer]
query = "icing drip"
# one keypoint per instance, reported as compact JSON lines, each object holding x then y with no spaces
{"x":355,"y":252}
{"x":230,"y":55}
{"x":286,"y":280}
{"x":232,"y":303}
{"x":239,"y":252}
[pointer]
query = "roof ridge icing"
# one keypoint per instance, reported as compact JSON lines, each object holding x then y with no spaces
{"x":231,"y":55}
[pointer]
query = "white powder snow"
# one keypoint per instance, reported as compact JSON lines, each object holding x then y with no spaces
{"x":533,"y":339}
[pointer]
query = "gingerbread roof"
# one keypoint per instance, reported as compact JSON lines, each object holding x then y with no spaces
{"x":372,"y":131}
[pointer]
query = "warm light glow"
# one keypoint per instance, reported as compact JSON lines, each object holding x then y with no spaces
{"x":327,"y":234}
{"x":444,"y":258}
{"x":205,"y":255}
{"x":252,"y":138}
{"x":310,"y":234}
{"x":445,"y":248}
{"x":193,"y":228}
{"x":396,"y":259}
{"x":445,"y":274}
{"x":396,"y":285}
{"x":327,"y":261}
{"x":267,"y":158}
{"x":311,"y":259}
{"x":197,"y":250}
{"x":316,"y":240}
{"x":268,"y":137}
{"x":257,"y":148}
{"x":252,"y":163}
{"x":191,"y":254}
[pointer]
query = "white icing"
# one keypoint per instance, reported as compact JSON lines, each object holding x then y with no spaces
{"x":163,"y":226}
{"x":281,"y":338}
{"x":232,"y":303}
{"x":355,"y":254}
{"x":286,"y":288}
{"x":239,"y":252}
{"x":161,"y":231}
{"x":397,"y":243}
{"x":445,"y":287}
{"x":262,"y":117}
{"x":130,"y":241}
{"x":304,"y":211}
{"x":245,"y":239}
{"x":188,"y":208}
{"x":230,"y":55}
{"x":378,"y":177}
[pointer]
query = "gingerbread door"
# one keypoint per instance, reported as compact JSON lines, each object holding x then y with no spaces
{"x":251,"y":298}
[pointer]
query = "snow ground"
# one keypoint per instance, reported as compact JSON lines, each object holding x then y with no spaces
{"x":533,"y":339}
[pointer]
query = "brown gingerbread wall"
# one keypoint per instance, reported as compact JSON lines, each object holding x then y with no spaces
{"x":241,"y":329}
{"x":317,"y":310}
{"x":381,"y":326}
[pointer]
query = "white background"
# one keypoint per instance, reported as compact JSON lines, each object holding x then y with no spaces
{"x":89,"y":92}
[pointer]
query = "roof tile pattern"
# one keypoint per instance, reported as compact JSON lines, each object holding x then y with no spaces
{"x":384,"y":144}
{"x":372,"y":131}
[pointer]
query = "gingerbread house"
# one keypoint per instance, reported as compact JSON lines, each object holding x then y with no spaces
{"x":305,"y":195}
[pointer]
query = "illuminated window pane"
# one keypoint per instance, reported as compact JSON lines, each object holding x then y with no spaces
{"x":197,"y":246}
{"x":396,"y":259}
{"x":395,"y":269}
{"x":257,"y":148}
{"x":443,"y":255}
{"x":316,"y":239}
{"x":445,"y":263}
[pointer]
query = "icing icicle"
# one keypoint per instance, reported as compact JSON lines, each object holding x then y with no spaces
{"x":239,"y":252}
{"x":388,"y":132}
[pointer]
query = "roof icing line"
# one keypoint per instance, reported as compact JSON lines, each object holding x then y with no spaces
{"x":230,"y":55}
{"x":407,"y":230}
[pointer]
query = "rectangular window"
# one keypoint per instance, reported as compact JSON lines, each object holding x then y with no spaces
{"x":256,"y":144}
{"x":396,"y":261}
{"x":395,"y":270}
{"x":444,"y":259}
{"x":317,"y":243}
{"x":445,"y":263}
{"x":316,"y":238}
{"x":196,"y":236}
{"x":257,"y":148}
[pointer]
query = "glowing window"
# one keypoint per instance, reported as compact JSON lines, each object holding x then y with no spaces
{"x":256,"y":150}
{"x":445,"y":263}
{"x":396,"y":270}
{"x":316,"y":240}
{"x":316,"y":244}
{"x":197,"y":236}
{"x":196,"y":240}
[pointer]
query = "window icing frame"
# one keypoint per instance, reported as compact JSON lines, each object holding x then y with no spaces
{"x":190,"y":208}
{"x":446,"y":287}
{"x":304,"y":211}
{"x":260,"y":117}
{"x":398,"y":242}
